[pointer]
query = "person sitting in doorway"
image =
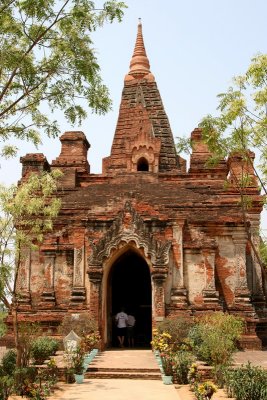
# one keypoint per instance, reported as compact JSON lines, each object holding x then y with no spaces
{"x":130,"y":330}
{"x":121,"y":319}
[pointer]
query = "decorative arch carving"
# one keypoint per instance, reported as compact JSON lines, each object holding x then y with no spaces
{"x":130,"y":227}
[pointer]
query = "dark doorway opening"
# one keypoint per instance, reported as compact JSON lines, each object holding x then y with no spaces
{"x":130,"y":286}
{"x":142,"y":164}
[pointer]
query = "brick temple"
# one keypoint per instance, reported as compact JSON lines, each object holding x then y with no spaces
{"x":148,"y":233}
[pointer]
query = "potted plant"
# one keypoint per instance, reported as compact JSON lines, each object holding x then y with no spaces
{"x":77,"y":361}
{"x":167,"y":365}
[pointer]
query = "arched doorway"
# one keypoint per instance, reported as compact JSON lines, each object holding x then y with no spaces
{"x":142,"y":164}
{"x":130,"y":286}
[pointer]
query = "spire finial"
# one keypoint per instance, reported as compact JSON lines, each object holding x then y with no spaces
{"x":139,"y":65}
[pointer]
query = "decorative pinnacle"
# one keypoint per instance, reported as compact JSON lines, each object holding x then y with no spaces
{"x":139,"y":65}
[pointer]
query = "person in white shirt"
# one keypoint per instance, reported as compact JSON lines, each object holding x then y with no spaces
{"x":130,"y":330}
{"x":121,"y":319}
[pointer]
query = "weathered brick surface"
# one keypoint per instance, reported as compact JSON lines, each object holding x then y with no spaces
{"x":187,"y":227}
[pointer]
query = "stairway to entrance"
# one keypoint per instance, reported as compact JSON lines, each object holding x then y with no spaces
{"x":124,"y":363}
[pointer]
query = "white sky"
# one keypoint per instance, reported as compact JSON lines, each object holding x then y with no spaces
{"x":195,"y":47}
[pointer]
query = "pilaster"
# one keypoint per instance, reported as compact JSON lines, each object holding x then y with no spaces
{"x":210,"y":294}
{"x":178,"y":292}
{"x":23,"y":283}
{"x":242,"y":294}
{"x":78,"y":294}
{"x":48,"y":295}
{"x":159,"y":275}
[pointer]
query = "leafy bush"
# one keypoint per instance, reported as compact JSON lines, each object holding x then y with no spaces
{"x":182,"y":363}
{"x":205,"y":390}
{"x":9,"y":362}
{"x":178,"y":328}
{"x":82,"y":324}
{"x":42,"y":348}
{"x":28,"y":332}
{"x":90,"y":341}
{"x":247,"y":383}
{"x":6,"y":386}
{"x":23,"y":378}
{"x":214,"y":338}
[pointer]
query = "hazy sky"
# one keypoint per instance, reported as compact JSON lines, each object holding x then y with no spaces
{"x":195,"y":47}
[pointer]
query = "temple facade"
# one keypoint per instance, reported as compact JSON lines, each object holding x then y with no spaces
{"x":148,"y":233}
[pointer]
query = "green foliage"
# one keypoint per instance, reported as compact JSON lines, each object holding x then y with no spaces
{"x":27,"y":213}
{"x":48,"y":58}
{"x":91,"y":341}
{"x":6,"y":386}
{"x":2,"y":324}
{"x":9,"y":362}
{"x":178,"y":328}
{"x":214,"y":338}
{"x":263,"y":251}
{"x":24,"y":376}
{"x":81,"y":324}
{"x":242,"y":120}
{"x":7,"y":369}
{"x":27,"y":333}
{"x":42,"y":348}
{"x":167,"y":359}
{"x":77,"y":360}
{"x":247,"y":383}
{"x":205,"y":390}
{"x":193,"y":376}
{"x":182,"y":363}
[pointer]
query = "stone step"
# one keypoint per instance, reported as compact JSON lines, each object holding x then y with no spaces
{"x":122,"y":375}
{"x":116,"y":369}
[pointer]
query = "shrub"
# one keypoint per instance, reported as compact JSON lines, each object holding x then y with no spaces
{"x":178,"y":328}
{"x":6,"y":386}
{"x":42,"y":348}
{"x":214,"y":338}
{"x":205,"y":390}
{"x":182,"y":363}
{"x":28,"y":332}
{"x":90,"y":341}
{"x":247,"y":383}
{"x":50,"y":373}
{"x":9,"y":362}
{"x":82,"y":324}
{"x":23,"y":378}
{"x":193,"y":376}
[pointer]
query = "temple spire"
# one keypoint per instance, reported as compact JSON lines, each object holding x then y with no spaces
{"x":139,"y":65}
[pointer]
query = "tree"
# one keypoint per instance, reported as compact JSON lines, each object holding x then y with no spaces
{"x":27,"y":213}
{"x":241,"y":126}
{"x":242,"y":122}
{"x":48,"y":62}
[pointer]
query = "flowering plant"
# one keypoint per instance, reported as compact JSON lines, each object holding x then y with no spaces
{"x":161,"y":340}
{"x":74,"y":360}
{"x":90,"y":341}
{"x":205,"y":391}
{"x":167,"y":362}
{"x":193,"y":376}
{"x":77,"y":360}
{"x":38,"y":391}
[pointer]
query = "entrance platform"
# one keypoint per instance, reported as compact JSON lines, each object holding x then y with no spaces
{"x":123,"y":362}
